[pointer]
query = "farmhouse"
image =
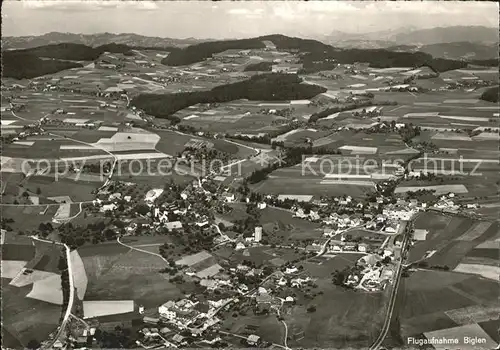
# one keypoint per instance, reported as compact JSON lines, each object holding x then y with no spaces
{"x":108,"y":207}
{"x":228,"y":197}
{"x":174,"y":225}
{"x":253,"y":339}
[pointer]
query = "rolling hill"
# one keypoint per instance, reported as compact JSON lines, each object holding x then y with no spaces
{"x":462,"y":49}
{"x":94,"y":40}
{"x":475,"y":34}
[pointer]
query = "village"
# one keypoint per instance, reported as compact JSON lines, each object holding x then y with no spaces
{"x":372,"y":230}
{"x":267,"y":185}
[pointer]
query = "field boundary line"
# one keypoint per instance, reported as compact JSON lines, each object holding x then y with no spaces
{"x":140,"y":250}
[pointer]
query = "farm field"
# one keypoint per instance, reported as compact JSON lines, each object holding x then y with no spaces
{"x":443,"y":232}
{"x":261,"y":256}
{"x":28,"y":218}
{"x":453,"y":241}
{"x":111,"y":268}
{"x":279,"y":224}
{"x":325,"y":268}
{"x":342,"y":319}
{"x":24,"y":318}
{"x":78,"y":191}
{"x":438,"y":300}
{"x":473,"y":331}
{"x":317,"y":176}
{"x":93,"y":309}
{"x":50,"y":147}
{"x":266,"y":326}
{"x":28,"y":309}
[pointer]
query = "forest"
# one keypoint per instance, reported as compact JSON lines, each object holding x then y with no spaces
{"x":21,"y":65}
{"x":263,"y":87}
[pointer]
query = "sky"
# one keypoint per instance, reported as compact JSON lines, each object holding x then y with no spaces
{"x":237,"y":19}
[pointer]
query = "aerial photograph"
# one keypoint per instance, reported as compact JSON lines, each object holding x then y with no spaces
{"x":250,"y":174}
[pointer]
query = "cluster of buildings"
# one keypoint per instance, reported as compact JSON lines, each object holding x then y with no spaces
{"x":256,"y":237}
{"x":69,"y":122}
{"x":372,"y":272}
{"x":447,"y":203}
{"x":372,"y":275}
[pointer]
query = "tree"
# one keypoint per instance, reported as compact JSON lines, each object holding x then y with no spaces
{"x":142,"y":209}
{"x":38,"y":191}
{"x":33,"y":344}
{"x":311,"y":309}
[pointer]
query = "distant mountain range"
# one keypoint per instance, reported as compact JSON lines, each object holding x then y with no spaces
{"x":413,"y":36}
{"x":454,"y":50}
{"x":475,"y":34}
{"x":130,"y":39}
{"x":448,"y":42}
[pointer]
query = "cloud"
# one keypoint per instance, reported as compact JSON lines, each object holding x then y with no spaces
{"x":146,"y":5}
{"x":89,"y":5}
{"x":249,"y":13}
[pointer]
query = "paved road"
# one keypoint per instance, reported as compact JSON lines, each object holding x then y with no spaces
{"x":71,"y":300}
{"x":393,"y":296}
{"x":285,"y":340}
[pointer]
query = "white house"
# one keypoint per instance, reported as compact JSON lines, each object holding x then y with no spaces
{"x":314,"y":215}
{"x":108,"y":207}
{"x":202,"y":223}
{"x":362,"y":248}
{"x":174,"y":225}
{"x":253,"y":339}
{"x":165,"y":310}
{"x":228,"y":197}
{"x":300,"y":213}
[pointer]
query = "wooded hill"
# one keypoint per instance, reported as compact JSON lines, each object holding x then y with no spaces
{"x":20,"y":65}
{"x":314,"y":55}
{"x":263,"y":87}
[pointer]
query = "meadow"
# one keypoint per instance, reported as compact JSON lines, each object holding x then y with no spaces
{"x":28,"y":309}
{"x":433,"y":300}
{"x":111,"y":268}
